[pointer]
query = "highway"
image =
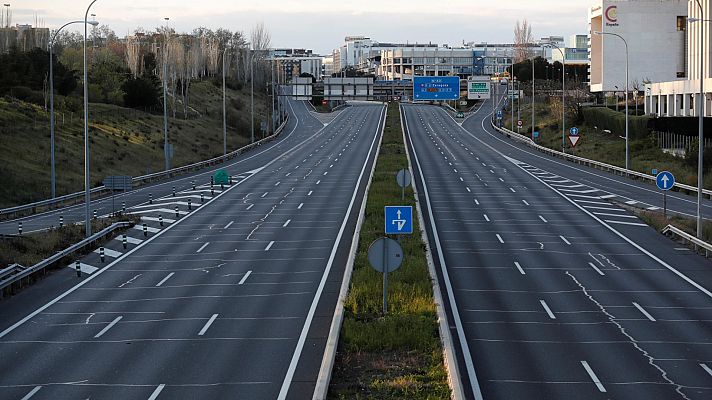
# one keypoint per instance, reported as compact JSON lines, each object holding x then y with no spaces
{"x":234,"y":300}
{"x":625,"y":190}
{"x":551,"y":290}
{"x":300,"y":120}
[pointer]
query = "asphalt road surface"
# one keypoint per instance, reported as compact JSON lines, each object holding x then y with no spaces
{"x":552,"y":291}
{"x":233,"y":301}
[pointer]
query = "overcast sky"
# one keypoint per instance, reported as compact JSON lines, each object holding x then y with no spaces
{"x":321,"y":25}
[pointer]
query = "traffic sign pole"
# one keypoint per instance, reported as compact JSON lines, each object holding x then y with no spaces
{"x":385,"y":279}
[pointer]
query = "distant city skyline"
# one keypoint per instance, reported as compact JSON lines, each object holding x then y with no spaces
{"x":322,"y":27}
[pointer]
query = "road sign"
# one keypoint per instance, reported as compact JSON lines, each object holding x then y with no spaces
{"x":574,"y":131}
{"x":385,"y":255}
{"x":520,"y":123}
{"x":263,"y":126}
{"x":403,"y":178}
{"x":399,"y":220}
{"x":118,"y":183}
{"x":535,"y":135}
{"x":478,"y":89}
{"x":460,"y":114}
{"x":665,"y":180}
{"x":655,"y":172}
{"x":436,"y":88}
{"x":499,"y":114}
{"x":221,"y":177}
{"x":574,"y":140}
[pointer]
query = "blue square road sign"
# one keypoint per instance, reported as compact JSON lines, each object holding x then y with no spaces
{"x":399,"y":220}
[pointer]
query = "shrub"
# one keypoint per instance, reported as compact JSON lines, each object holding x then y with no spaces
{"x":605,"y":118}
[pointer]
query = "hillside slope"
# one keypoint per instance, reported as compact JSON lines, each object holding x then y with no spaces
{"x":123,"y":141}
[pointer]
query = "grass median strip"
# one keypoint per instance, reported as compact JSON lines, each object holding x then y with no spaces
{"x":398,"y":355}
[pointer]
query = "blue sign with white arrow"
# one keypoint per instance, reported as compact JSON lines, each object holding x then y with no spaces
{"x":399,"y":220}
{"x":574,"y":131}
{"x":499,"y":114}
{"x":436,"y":88}
{"x":665,"y":180}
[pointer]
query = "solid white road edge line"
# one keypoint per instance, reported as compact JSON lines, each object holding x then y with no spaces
{"x":474,"y":383}
{"x":315,"y":302}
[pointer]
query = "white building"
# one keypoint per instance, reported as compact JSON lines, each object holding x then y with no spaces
{"x":398,"y":63}
{"x":291,"y":63}
{"x":655,"y":32}
{"x":680,"y":97}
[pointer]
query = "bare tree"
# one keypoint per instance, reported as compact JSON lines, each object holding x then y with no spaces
{"x":523,"y":38}
{"x":134,"y":60}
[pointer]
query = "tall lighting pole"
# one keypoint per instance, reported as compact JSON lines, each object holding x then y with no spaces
{"x":627,"y":137}
{"x":700,"y":120}
{"x":166,"y":150}
{"x":252,"y":96}
{"x":51,"y":101}
{"x":533,"y":78}
{"x":6,"y":22}
{"x":563,"y":98}
{"x":87,"y":192}
{"x":224,"y":107}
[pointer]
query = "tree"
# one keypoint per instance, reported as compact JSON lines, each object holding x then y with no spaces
{"x":141,"y":92}
{"x":523,"y":38}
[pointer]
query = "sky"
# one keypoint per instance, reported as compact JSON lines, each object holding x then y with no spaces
{"x":322,"y":25}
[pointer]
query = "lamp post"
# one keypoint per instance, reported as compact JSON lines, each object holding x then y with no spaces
{"x":51,"y":101}
{"x":563,"y":97}
{"x":6,"y":22}
{"x":224,"y":108}
{"x":700,"y":121}
{"x":252,"y":96}
{"x":166,"y":146}
{"x":627,"y":137}
{"x":87,"y":192}
{"x":533,"y":78}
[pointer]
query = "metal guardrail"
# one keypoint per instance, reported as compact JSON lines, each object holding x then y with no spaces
{"x":593,"y":163}
{"x":78,"y":197}
{"x":671,"y":230}
{"x":16,"y":272}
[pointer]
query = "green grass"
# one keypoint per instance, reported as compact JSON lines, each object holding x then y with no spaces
{"x":397,"y":356}
{"x":658,"y":221}
{"x":122,"y":141}
{"x":32,"y":248}
{"x":607,"y":148}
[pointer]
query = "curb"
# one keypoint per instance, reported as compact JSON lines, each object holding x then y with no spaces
{"x":321,"y":389}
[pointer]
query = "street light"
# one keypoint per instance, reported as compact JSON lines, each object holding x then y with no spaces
{"x":166,"y":150}
{"x":51,"y":100}
{"x":700,"y":122}
{"x":563,"y":97}
{"x":87,"y":192}
{"x":252,"y":96}
{"x":627,"y":137}
{"x":7,"y":12}
{"x":224,"y":108}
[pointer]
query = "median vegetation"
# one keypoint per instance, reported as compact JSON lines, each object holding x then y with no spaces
{"x":399,"y":355}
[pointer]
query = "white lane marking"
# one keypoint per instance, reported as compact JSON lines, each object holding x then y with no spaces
{"x":154,"y":219}
{"x":129,"y":239}
{"x":486,"y":218}
{"x":207,"y":325}
{"x":543,"y":219}
{"x":565,"y":240}
{"x":501,"y":180}
{"x":203,"y":247}
{"x":513,"y":191}
{"x":165,"y":279}
{"x":519,"y":267}
{"x":642,"y":311}
{"x":277,"y":184}
{"x":300,"y":206}
{"x":615,"y":215}
{"x":596,"y":268}
{"x":106,"y":328}
{"x":148,"y":229}
{"x":265,"y":195}
{"x":492,"y":171}
{"x":310,"y":193}
{"x":32,"y":392}
{"x":462,"y":180}
{"x":286,"y":223}
{"x":250,"y":207}
{"x":477,"y":202}
{"x":109,"y":252}
{"x":229,"y":224}
{"x":468,"y":190}
{"x":326,"y":173}
{"x":269,"y":246}
{"x":593,"y":376}
{"x":625,"y":223}
{"x":318,"y":182}
{"x":500,"y":239}
{"x":244,"y":278}
{"x":525,"y":202}
{"x":286,"y":383}
{"x":599,"y":203}
{"x":706,"y":368}
{"x":156,"y":392}
{"x":547,"y":309}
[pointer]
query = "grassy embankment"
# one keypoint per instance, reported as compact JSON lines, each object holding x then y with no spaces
{"x":123,"y":141}
{"x":397,"y":356}
{"x":607,"y":148}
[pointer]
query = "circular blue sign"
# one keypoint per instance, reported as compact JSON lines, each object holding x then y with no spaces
{"x":665,"y":180}
{"x":574,"y":131}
